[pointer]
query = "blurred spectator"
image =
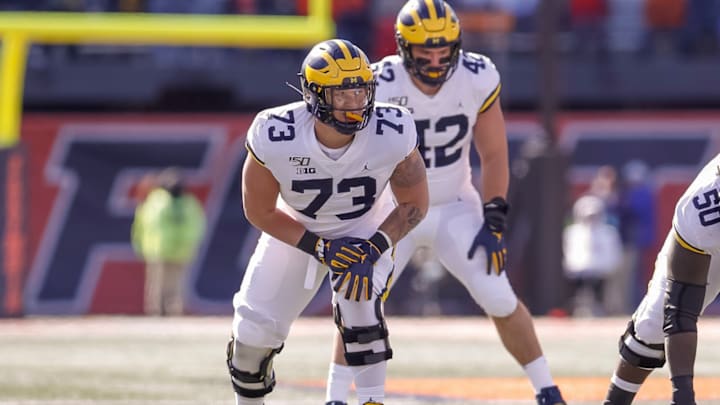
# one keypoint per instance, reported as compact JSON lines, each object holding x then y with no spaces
{"x":144,"y":186}
{"x":276,"y":7}
{"x":419,"y":291}
{"x":625,"y":25}
{"x":131,"y":6}
{"x":700,"y":34}
{"x":592,"y":251}
{"x":605,"y":186}
{"x":353,"y":20}
{"x":588,"y":22}
{"x":486,"y":29}
{"x":174,"y":56}
{"x":525,"y":12}
{"x":665,"y":18}
{"x":245,"y":7}
{"x":637,"y":228}
{"x":167,"y":229}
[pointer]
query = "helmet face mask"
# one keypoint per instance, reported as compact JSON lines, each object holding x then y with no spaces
{"x":347,"y":100}
{"x":338,"y":85}
{"x":428,"y":24}
{"x":422,"y":58}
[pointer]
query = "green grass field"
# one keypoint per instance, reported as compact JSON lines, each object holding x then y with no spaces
{"x":137,"y":360}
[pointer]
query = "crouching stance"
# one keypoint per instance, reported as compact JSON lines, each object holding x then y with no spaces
{"x":314,"y":185}
{"x":686,"y":280}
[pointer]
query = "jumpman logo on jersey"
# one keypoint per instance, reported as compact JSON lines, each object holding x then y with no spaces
{"x":366,"y":168}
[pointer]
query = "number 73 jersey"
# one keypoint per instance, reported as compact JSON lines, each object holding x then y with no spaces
{"x":333,"y":198}
{"x":697,"y":212}
{"x":444,"y":120}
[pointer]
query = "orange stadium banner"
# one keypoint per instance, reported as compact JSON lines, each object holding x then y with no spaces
{"x":83,"y":169}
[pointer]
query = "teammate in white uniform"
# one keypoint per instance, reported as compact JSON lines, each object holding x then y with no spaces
{"x":313,"y":185}
{"x":686,"y":280}
{"x":453,"y":96}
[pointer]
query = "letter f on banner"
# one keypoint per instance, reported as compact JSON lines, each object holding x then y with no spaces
{"x":87,"y":224}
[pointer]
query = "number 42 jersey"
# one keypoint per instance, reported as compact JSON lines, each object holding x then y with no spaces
{"x":444,"y":120}
{"x":333,"y":198}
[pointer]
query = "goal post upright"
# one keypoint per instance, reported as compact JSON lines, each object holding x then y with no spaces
{"x":18,"y":30}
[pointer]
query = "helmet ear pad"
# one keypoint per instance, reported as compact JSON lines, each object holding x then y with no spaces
{"x":318,"y":106}
{"x":310,"y":97}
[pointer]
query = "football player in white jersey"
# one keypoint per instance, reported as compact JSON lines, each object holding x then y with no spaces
{"x":453,"y":96}
{"x":686,"y":280}
{"x":313,"y":184}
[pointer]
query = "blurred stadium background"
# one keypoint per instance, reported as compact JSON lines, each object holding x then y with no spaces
{"x":96,"y":93}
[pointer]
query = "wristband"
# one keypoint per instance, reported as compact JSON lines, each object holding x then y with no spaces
{"x":495,"y":213}
{"x":308,"y":243}
{"x":381,"y":240}
{"x":496,"y":204}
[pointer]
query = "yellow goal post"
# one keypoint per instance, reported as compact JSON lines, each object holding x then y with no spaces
{"x":20,"y":29}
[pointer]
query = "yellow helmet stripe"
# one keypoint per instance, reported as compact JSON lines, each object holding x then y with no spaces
{"x":430,"y":4}
{"x":344,"y":48}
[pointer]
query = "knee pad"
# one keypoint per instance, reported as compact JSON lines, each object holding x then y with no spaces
{"x":251,"y":369}
{"x":683,"y":304}
{"x":364,"y":335}
{"x":638,"y":353}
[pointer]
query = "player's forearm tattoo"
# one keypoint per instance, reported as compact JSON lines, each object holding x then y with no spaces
{"x":410,"y":172}
{"x":402,"y":220}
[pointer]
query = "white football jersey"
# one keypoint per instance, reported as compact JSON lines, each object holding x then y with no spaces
{"x":333,"y":198}
{"x":697,"y":212}
{"x":445,"y":120}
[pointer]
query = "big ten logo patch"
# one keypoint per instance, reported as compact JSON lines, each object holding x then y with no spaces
{"x":301,"y":164}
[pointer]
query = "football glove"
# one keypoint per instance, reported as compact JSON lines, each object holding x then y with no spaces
{"x":331,"y":252}
{"x":490,"y":235}
{"x":357,"y":278}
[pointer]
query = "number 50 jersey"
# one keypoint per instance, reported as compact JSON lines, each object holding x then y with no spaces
{"x":333,"y":198}
{"x":445,"y":120}
{"x":697,"y":212}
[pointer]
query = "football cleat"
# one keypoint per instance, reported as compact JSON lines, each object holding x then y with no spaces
{"x":335,"y":403}
{"x":550,"y":396}
{"x":371,"y":402}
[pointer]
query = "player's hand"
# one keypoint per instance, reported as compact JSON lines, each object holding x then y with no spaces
{"x":494,"y":244}
{"x":360,"y":257}
{"x":338,"y":253}
{"x":491,"y":236}
{"x":356,"y":281}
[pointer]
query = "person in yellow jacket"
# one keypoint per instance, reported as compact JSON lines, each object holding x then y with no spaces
{"x":168,"y":227}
